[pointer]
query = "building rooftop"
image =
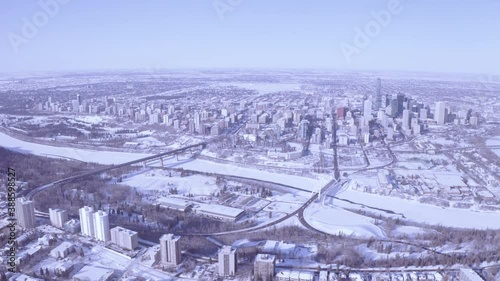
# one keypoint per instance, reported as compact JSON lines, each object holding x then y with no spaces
{"x":471,"y":274}
{"x":265,"y":258}
{"x":73,"y":222}
{"x":227,"y":250}
{"x":124,"y":230}
{"x":92,"y":273}
{"x":169,"y":236}
{"x":64,"y":245}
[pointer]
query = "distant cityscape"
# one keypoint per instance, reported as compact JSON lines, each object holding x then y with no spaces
{"x":340,"y":177}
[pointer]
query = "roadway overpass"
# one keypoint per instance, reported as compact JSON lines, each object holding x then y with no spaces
{"x":144,"y":161}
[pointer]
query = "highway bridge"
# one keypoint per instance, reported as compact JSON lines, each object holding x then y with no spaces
{"x":144,"y":160}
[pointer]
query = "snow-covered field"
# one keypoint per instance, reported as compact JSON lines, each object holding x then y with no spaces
{"x":335,"y":220}
{"x":101,"y":157}
{"x":264,"y":88}
{"x":494,"y":142}
{"x":423,"y":213}
{"x":159,"y":180}
{"x":295,"y":181}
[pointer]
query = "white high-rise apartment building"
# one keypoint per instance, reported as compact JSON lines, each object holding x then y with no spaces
{"x":101,"y":226}
{"x":227,"y":261}
{"x":406,"y":119}
{"x":440,"y":113}
{"x":25,"y":213}
{"x":197,"y":121}
{"x":87,"y":221}
{"x":170,"y":249}
{"x":58,"y":217}
{"x":367,"y":109}
{"x":124,"y":238}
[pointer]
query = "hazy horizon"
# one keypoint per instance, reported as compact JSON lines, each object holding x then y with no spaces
{"x":419,"y":36}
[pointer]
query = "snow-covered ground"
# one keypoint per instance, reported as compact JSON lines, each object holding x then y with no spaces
{"x":101,"y":157}
{"x":264,"y":88}
{"x":494,"y":142}
{"x":424,"y":213}
{"x":159,"y":180}
{"x":291,"y":180}
{"x":335,"y":220}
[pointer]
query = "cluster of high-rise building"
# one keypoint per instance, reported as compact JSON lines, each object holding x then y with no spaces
{"x":95,"y":224}
{"x":58,"y":217}
{"x":199,"y":121}
{"x":307,"y":118}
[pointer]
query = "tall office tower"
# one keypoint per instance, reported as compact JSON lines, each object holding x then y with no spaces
{"x":101,"y":226}
{"x":166,"y":119}
{"x":124,"y":238}
{"x":367,"y":109}
{"x":423,"y":114}
{"x":297,"y":116}
{"x":440,"y":113}
{"x":303,"y":129}
{"x":263,"y":267}
{"x":388,"y":99}
{"x":341,"y":111}
{"x":170,"y":249}
{"x":227,"y":261}
{"x":87,"y":221}
{"x":197,"y":121}
{"x":400,"y":99}
{"x":392,"y":109}
{"x":25,"y":213}
{"x":378,"y":100}
{"x":406,"y":119}
{"x":78,"y":99}
{"x":191,"y":128}
{"x":58,"y":217}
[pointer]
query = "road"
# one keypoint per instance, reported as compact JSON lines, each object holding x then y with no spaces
{"x":35,"y":191}
{"x":272,"y":223}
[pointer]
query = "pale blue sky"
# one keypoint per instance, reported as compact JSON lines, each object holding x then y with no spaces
{"x":428,"y":35}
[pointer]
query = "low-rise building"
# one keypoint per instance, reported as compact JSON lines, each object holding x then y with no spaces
{"x":62,"y":250}
{"x":219,"y":212}
{"x":72,"y":226}
{"x":91,"y":273}
{"x":467,"y":274}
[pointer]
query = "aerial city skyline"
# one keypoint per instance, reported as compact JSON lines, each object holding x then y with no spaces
{"x":249,"y":140}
